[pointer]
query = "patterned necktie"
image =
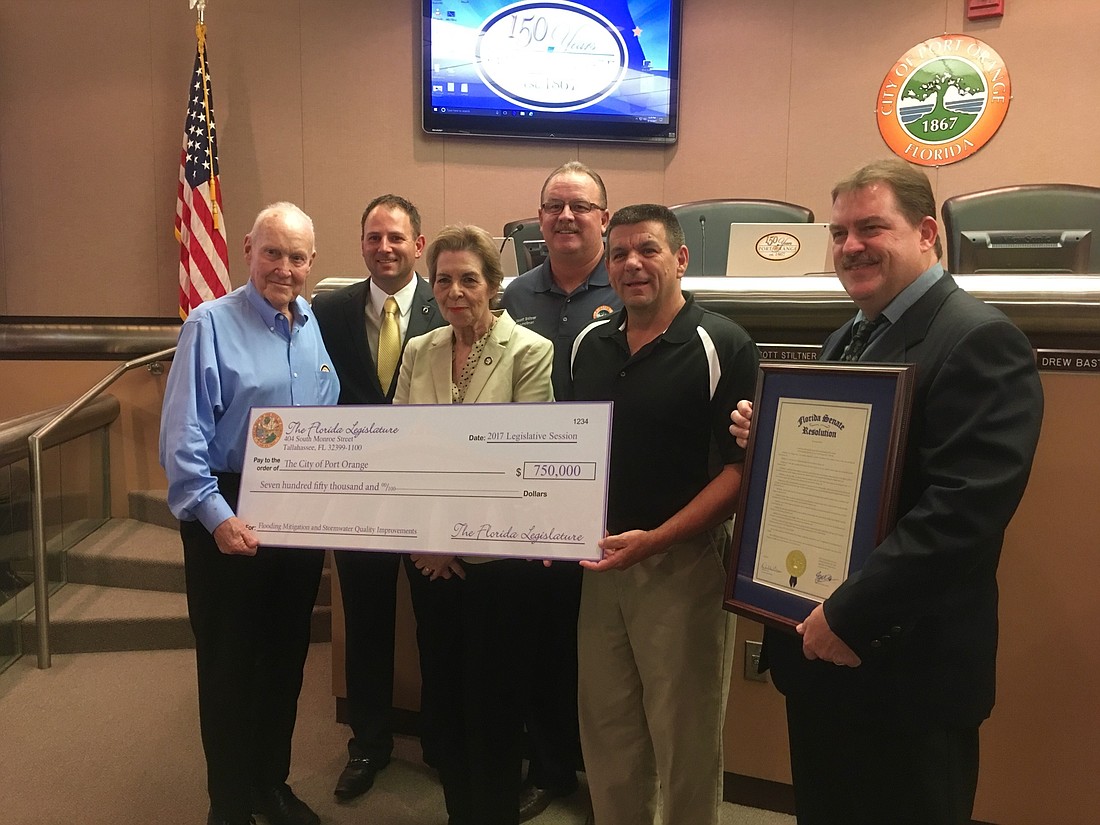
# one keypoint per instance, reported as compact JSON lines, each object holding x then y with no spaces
{"x":389,"y":344}
{"x":860,"y":337}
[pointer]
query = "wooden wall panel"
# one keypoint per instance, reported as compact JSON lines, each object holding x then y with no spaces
{"x":319,"y":104}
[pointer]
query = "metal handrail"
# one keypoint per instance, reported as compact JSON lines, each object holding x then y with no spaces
{"x":35,"y":444}
{"x":15,"y":431}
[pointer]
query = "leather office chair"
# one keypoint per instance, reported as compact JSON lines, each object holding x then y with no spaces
{"x":711,"y":219}
{"x":527,"y":234}
{"x":1028,"y":207}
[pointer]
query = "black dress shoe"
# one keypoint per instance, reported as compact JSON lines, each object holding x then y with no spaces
{"x":533,"y":800}
{"x":279,"y":806}
{"x":357,"y":777}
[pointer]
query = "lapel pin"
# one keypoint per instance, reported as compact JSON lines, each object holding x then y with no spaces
{"x":488,"y":360}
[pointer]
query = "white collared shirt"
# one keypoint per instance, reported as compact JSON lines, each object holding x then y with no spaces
{"x":376,"y":298}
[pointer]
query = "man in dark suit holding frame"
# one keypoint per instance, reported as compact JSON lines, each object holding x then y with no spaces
{"x":888,"y":680}
{"x":353,"y":321}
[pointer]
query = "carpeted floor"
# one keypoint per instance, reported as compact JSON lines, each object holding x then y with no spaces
{"x":112,"y":739}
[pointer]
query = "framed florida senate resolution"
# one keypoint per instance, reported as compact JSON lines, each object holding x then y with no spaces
{"x":820,"y":485}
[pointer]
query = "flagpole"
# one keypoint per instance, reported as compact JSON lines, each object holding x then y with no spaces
{"x":204,"y":262}
{"x":200,"y":36}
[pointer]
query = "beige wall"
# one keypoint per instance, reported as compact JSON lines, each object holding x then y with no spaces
{"x":317,"y":102}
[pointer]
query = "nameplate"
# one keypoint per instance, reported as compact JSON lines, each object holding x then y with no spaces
{"x":1068,"y":360}
{"x":790,"y":353}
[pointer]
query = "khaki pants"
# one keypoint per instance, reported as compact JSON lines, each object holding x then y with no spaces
{"x":655,"y":650}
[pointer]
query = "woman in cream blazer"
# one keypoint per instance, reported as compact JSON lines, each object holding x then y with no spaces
{"x":470,"y":613}
{"x":513,"y":367}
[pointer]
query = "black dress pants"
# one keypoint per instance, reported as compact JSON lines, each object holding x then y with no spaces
{"x":495,"y":625}
{"x":368,"y":587}
{"x":861,"y":769}
{"x":471,"y":635}
{"x":549,"y":651}
{"x":251,"y":620}
{"x":437,"y":606}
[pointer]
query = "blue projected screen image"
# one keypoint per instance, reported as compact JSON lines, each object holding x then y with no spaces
{"x":588,"y":70}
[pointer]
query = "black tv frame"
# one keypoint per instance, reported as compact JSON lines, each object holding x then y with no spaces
{"x":575,"y":126}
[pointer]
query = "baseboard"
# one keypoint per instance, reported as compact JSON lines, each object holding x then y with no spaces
{"x":758,"y":793}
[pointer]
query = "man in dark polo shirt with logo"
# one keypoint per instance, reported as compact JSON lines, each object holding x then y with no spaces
{"x":557,"y":299}
{"x":655,"y":646}
{"x":570,"y":289}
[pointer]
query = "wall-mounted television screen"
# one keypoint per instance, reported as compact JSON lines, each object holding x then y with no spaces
{"x":587,"y":70}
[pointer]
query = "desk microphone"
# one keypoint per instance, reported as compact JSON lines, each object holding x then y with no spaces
{"x":524,"y":257}
{"x":703,"y":229}
{"x":519,"y":227}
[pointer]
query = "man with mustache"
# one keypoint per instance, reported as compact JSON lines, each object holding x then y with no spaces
{"x":887,"y":682}
{"x":557,"y":299}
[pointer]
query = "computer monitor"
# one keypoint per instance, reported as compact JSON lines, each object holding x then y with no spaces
{"x":1033,"y":227}
{"x":1012,"y":250}
{"x":778,"y":249}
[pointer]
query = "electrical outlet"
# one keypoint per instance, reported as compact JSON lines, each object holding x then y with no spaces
{"x":752,"y":662}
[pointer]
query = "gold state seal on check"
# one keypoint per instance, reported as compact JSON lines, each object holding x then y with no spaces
{"x":796,"y":565}
{"x":267,"y":430}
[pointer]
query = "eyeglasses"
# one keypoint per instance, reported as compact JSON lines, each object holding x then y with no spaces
{"x":576,"y":207}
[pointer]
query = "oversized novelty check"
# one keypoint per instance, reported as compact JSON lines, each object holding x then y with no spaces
{"x":516,"y":480}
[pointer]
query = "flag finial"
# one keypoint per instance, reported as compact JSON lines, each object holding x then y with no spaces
{"x":201,"y":5}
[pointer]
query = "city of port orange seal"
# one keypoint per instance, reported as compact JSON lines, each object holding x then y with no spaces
{"x":943,"y":100}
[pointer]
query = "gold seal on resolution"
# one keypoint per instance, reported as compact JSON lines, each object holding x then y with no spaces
{"x":796,"y":565}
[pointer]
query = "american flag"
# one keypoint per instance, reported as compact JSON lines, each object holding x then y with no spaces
{"x":200,"y":226}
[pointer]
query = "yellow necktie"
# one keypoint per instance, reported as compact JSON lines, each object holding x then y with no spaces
{"x":389,"y":344}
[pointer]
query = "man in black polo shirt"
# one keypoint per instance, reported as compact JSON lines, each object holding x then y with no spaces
{"x":655,"y":645}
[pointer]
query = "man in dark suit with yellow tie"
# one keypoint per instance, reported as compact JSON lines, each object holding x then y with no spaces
{"x":365,"y":327}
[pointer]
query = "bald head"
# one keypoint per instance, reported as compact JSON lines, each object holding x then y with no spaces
{"x":279,"y":251}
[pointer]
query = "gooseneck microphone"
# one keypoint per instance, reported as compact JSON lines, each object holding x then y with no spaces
{"x":511,"y":235}
{"x":524,"y":260}
{"x":703,"y":256}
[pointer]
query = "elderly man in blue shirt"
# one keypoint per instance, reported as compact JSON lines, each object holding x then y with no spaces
{"x":249,"y":606}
